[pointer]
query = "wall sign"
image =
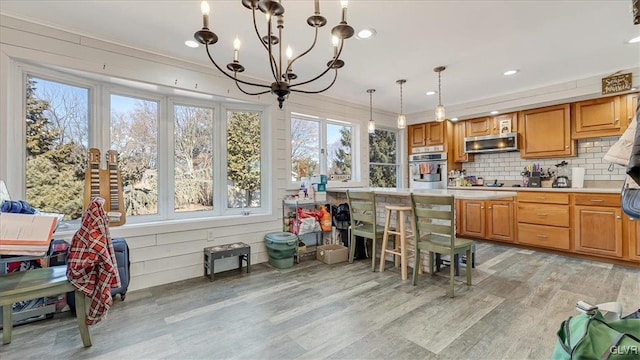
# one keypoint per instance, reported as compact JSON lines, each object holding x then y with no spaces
{"x":616,"y":83}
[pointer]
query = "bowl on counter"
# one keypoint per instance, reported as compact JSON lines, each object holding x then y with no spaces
{"x":494,"y":185}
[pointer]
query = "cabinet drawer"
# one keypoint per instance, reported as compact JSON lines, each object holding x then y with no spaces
{"x":597,"y":199}
{"x":554,"y":215}
{"x":542,"y":197}
{"x":545,"y":236}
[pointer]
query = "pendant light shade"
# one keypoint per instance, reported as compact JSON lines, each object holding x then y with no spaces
{"x":371,"y":127}
{"x":402,"y":120}
{"x":440,"y":114}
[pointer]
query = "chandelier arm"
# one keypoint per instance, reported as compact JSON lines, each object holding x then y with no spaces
{"x":271,"y":58}
{"x":335,"y":77}
{"x":274,"y":65}
{"x":325,"y":71}
{"x":249,"y":93}
{"x":315,"y":39}
{"x":229,"y":76}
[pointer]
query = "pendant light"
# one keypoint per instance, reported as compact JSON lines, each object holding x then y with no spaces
{"x":371,"y":127}
{"x":440,"y":116}
{"x":402,"y":120}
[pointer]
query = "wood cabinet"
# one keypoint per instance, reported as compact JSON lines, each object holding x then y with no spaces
{"x":546,"y":132}
{"x":458,"y":143}
{"x":491,"y":220}
{"x":543,"y":219}
{"x":598,"y":224}
{"x":608,"y":116}
{"x":426,"y":134}
{"x":490,"y":125}
{"x":632,"y":234}
{"x":598,"y":117}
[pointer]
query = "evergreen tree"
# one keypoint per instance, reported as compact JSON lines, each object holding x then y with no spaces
{"x":243,"y":157}
{"x":342,"y":159}
{"x":41,"y":136}
{"x":382,"y":150}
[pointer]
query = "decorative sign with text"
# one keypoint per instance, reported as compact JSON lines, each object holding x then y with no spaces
{"x":616,"y":83}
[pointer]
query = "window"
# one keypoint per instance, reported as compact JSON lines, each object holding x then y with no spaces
{"x":383,"y":158}
{"x":177,"y":157}
{"x":321,"y":146}
{"x":57,"y":128}
{"x":134,"y":135}
{"x":243,"y":159}
{"x":193,"y":157}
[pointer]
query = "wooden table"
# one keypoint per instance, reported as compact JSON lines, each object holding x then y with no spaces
{"x":213,"y":253}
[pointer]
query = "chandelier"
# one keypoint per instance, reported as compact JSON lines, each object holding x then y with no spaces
{"x":283,"y":75}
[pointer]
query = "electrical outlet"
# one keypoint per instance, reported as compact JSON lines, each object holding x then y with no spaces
{"x":209,"y":235}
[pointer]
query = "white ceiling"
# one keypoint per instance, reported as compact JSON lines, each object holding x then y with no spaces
{"x":548,"y":41}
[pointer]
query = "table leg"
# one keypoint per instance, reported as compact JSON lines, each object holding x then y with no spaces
{"x":6,"y":323}
{"x":249,"y":262}
{"x":81,"y":314}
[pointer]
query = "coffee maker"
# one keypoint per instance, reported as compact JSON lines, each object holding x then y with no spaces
{"x":562,"y":178}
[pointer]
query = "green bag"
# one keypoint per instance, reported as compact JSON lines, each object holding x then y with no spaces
{"x":591,"y":336}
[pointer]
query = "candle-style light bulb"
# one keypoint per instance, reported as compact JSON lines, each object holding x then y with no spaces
{"x":236,"y":49}
{"x":344,"y":4}
{"x":289,"y":52}
{"x":204,"y":8}
{"x":335,"y":41}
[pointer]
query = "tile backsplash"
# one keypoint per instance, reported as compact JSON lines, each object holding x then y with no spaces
{"x":508,"y":166}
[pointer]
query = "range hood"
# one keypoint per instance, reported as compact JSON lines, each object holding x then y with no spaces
{"x":491,"y":143}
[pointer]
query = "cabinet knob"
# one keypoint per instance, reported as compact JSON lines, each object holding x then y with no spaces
{"x":541,"y":197}
{"x":617,"y":120}
{"x":618,"y":217}
{"x":632,"y":219}
{"x":481,"y":207}
{"x":489,"y":207}
{"x":597,"y":200}
{"x":542,"y":214}
{"x":566,"y":146}
{"x":541,"y":236}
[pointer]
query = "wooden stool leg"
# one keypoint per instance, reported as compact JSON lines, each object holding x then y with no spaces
{"x":468,"y":268}
{"x":6,"y":323}
{"x":385,"y":239}
{"x":81,"y":314}
{"x":397,"y":242}
{"x":403,"y":245}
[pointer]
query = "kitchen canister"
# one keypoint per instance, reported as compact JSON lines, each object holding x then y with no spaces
{"x":577,"y":177}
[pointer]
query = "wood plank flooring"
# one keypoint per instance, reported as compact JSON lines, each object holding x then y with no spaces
{"x":344,"y":311}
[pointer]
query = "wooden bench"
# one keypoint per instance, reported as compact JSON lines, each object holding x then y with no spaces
{"x":31,"y":284}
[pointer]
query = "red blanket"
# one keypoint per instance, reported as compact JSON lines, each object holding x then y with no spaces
{"x":91,"y":266}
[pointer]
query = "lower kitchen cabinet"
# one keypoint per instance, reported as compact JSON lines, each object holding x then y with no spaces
{"x":554,"y":237}
{"x":633,"y":237}
{"x":491,"y":220}
{"x":598,"y":230}
{"x":597,"y":224}
{"x":543,"y":220}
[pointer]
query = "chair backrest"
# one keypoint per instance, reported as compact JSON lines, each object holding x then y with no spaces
{"x":362,"y":207}
{"x":434,"y":215}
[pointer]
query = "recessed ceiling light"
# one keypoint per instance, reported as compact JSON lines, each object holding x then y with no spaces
{"x":510,"y":72}
{"x":191,"y":44}
{"x":429,"y":93}
{"x":634,"y":40}
{"x":454,"y":119}
{"x":366,"y":33}
{"x":494,"y":112}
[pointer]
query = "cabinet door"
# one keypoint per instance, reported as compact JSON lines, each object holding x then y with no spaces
{"x":479,"y":127}
{"x":472,"y":218}
{"x":505,"y":123}
{"x":458,"y":141}
{"x":633,"y":237}
{"x":631,"y":101}
{"x":546,"y":133}
{"x":500,"y":220}
{"x":435,"y":133}
{"x":597,"y":118}
{"x":417,"y":135}
{"x":598,"y":230}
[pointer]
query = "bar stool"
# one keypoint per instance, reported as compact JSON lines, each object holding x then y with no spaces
{"x":401,"y":236}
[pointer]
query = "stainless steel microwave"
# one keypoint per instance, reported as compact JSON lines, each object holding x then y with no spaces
{"x":491,"y":143}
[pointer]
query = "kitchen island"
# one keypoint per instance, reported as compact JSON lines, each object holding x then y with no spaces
{"x":458,"y":193}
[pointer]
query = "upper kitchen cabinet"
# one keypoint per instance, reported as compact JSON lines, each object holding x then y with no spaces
{"x":631,"y":101}
{"x":546,"y":132}
{"x":459,"y":155}
{"x":491,"y":125}
{"x":599,"y":117}
{"x":426,"y":134}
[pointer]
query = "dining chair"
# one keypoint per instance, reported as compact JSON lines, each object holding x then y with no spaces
{"x":435,"y":233}
{"x":362,"y":208}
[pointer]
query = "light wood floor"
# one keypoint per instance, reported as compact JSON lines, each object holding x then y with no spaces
{"x":344,"y":311}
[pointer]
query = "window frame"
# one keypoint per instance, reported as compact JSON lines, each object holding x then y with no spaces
{"x":356,"y":170}
{"x":398,"y":163}
{"x":99,"y":107}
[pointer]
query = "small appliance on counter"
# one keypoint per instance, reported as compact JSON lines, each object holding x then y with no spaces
{"x":562,"y":180}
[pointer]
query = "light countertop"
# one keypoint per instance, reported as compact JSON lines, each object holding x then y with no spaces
{"x":611,"y":190}
{"x":458,"y":193}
